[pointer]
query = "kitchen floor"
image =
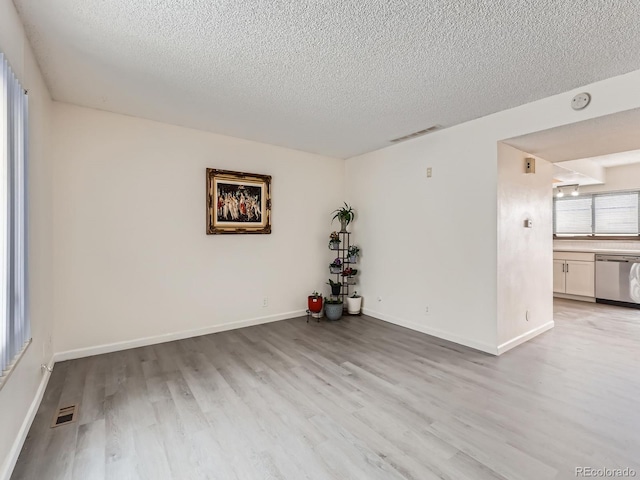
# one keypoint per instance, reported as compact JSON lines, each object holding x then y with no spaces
{"x":358,"y":398}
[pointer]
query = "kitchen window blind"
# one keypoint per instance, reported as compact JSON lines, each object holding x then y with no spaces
{"x":15,"y":332}
{"x":616,"y":213}
{"x":573,"y":216}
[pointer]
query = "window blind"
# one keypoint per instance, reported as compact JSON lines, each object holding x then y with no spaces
{"x":573,"y":216}
{"x":615,"y":213}
{"x":14,"y":319}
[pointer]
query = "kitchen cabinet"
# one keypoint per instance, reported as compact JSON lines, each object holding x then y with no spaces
{"x":574,"y":273}
{"x":558,"y":276}
{"x":580,"y":278}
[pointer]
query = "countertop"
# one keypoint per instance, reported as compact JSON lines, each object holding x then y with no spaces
{"x":597,"y":250}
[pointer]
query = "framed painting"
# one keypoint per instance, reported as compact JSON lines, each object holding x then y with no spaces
{"x":238,"y":202}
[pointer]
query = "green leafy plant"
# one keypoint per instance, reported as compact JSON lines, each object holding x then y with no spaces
{"x":333,"y":301}
{"x":344,"y":214}
{"x":349,"y":272}
{"x":355,"y":295}
{"x":336,"y":262}
{"x":316,"y":294}
{"x":354,"y":251}
{"x":334,"y":284}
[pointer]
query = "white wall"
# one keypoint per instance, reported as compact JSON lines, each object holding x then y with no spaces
{"x":21,"y":389}
{"x":623,"y":177}
{"x":434,"y":241}
{"x":132,"y":257}
{"x":525,"y":255}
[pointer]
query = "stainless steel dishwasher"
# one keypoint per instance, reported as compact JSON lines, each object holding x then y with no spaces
{"x":618,"y":280}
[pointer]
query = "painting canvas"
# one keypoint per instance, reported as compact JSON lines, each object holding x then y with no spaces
{"x":238,"y":202}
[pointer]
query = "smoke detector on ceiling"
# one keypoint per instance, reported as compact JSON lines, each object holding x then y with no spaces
{"x":580,"y":101}
{"x":419,"y":133}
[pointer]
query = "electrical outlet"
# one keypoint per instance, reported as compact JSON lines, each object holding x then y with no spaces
{"x":265,"y":302}
{"x":429,"y":172}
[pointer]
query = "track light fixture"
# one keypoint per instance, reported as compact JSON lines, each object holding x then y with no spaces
{"x":574,"y":189}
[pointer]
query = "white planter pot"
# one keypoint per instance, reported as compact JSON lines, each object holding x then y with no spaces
{"x":354,"y":305}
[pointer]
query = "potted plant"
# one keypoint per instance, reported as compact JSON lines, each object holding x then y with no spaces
{"x":354,"y":304}
{"x":333,"y":308}
{"x":349,"y":272}
{"x":335,"y":266}
{"x":335,"y":287}
{"x":314,"y":302}
{"x":354,"y":253}
{"x":334,"y":241}
{"x":345,"y":215}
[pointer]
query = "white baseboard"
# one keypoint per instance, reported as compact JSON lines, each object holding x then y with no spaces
{"x":7,"y":468}
{"x":514,"y":342}
{"x":169,"y":337}
{"x":574,"y":297}
{"x":483,"y":347}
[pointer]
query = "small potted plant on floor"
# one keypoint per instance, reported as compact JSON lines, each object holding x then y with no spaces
{"x":354,"y":253}
{"x":335,"y":266}
{"x":335,"y":287}
{"x":334,"y":241}
{"x":314,"y":302}
{"x":345,"y":215}
{"x":354,"y":304}
{"x":333,"y":308}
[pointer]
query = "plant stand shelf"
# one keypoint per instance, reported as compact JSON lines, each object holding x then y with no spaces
{"x":343,"y":254}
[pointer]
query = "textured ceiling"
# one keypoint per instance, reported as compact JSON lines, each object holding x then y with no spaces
{"x":336,"y":77}
{"x":618,"y":132}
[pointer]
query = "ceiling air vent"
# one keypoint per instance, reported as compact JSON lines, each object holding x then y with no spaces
{"x":417,"y":134}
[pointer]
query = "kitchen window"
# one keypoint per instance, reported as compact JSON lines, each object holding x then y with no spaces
{"x":15,"y":333}
{"x":596,"y":215}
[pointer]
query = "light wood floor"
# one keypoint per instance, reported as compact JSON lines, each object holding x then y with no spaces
{"x":355,"y":399}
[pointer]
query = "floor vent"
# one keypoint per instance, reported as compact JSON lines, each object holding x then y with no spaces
{"x":417,"y":134}
{"x":64,"y":416}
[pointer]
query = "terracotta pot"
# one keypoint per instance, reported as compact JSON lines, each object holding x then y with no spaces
{"x":315,"y":303}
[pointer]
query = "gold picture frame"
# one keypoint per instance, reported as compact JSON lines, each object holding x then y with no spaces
{"x":238,"y":202}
